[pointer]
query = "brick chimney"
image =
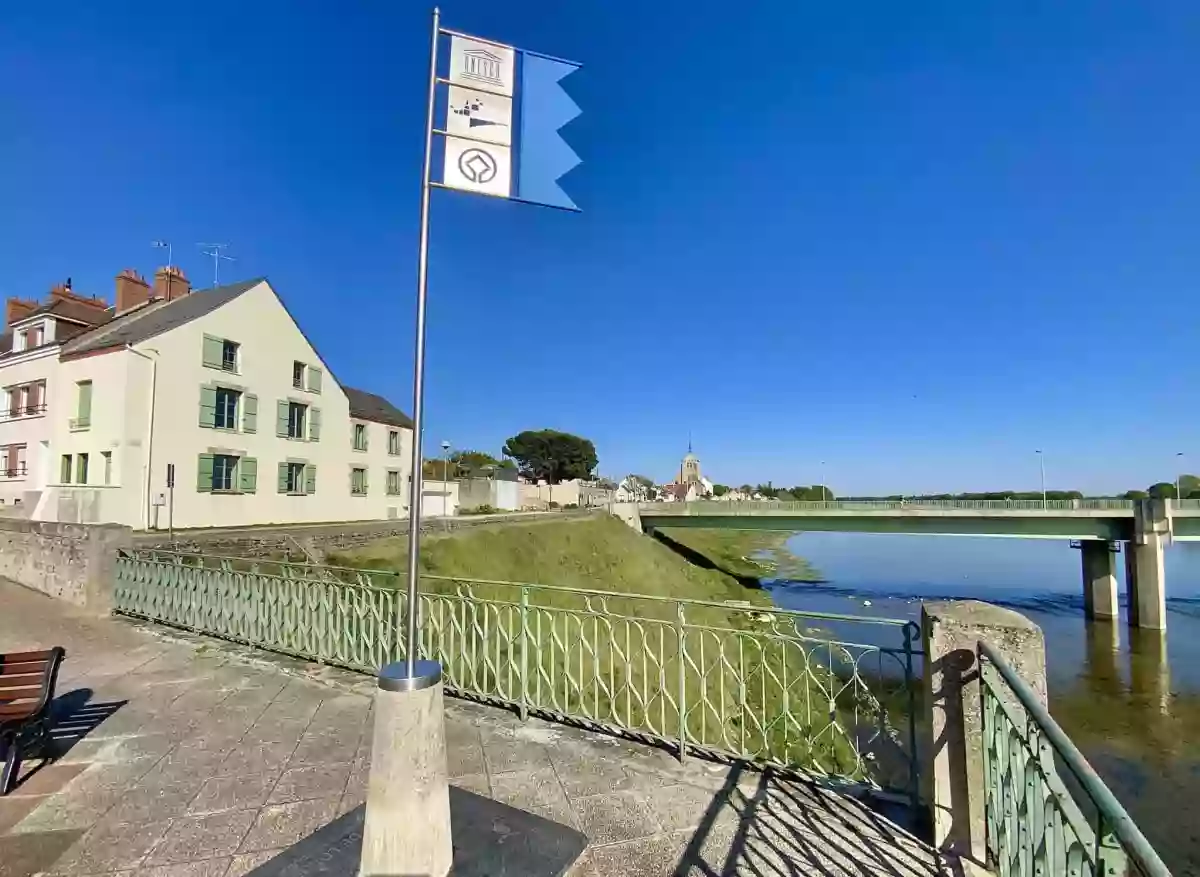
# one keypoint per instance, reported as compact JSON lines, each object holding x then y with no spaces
{"x":170,"y":283}
{"x":132,"y":290}
{"x":17,"y":309}
{"x":63,"y":292}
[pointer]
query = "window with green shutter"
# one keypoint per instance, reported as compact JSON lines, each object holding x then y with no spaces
{"x":208,"y":406}
{"x":64,"y":474}
{"x":83,"y":406}
{"x":360,"y":436}
{"x":358,"y":482}
{"x":310,"y":479}
{"x":213,"y":347}
{"x":249,"y":413}
{"x":314,"y":379}
{"x":292,"y":478}
{"x":204,"y":473}
{"x":247,"y":475}
{"x":314,"y":424}
{"x":281,"y":418}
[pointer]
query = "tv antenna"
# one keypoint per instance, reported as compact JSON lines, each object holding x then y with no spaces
{"x":214,"y":250}
{"x":164,"y":245}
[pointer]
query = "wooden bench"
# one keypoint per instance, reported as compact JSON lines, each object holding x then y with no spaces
{"x":26,"y":691}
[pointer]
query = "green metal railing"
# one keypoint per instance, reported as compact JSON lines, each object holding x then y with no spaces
{"x":717,"y":507}
{"x":723,"y":679}
{"x":1035,"y":824}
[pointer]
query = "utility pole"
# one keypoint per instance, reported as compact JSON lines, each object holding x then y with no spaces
{"x":1178,"y":475}
{"x":1042,"y":467}
{"x":214,"y":251}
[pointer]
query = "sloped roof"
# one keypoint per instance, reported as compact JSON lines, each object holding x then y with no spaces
{"x":375,"y":408}
{"x":157,"y":317}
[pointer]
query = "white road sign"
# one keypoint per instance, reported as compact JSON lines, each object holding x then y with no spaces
{"x":481,"y":65}
{"x":480,"y":115}
{"x":478,"y":167}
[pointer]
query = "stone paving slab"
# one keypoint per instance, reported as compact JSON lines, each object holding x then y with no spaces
{"x":189,"y":756}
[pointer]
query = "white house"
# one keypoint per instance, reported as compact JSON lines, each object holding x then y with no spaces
{"x":222,"y":387}
{"x":29,"y":348}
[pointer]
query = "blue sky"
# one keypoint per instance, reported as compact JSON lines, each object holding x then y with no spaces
{"x":893,"y":247}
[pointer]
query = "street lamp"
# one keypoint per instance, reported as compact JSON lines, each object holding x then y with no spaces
{"x":1178,"y":473}
{"x":1042,"y":467}
{"x":446,"y":479}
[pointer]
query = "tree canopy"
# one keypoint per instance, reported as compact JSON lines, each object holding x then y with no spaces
{"x":550,"y":455}
{"x":1162,"y":490}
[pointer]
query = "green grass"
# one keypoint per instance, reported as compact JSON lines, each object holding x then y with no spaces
{"x":746,"y":553}
{"x":618,"y":660}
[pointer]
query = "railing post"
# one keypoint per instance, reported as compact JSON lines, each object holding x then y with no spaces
{"x":524,"y":671}
{"x":681,"y":659}
{"x":1110,"y":856}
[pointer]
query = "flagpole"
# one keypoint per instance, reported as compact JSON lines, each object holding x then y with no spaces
{"x":414,"y":498}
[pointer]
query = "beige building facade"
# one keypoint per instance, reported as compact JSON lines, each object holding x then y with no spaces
{"x":221,"y":387}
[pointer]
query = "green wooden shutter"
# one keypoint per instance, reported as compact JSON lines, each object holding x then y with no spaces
{"x":366,"y":436}
{"x":248,"y":475}
{"x":281,"y":418}
{"x":366,"y":489}
{"x":211,"y":355}
{"x":85,"y":402}
{"x":204,"y":473}
{"x":314,"y":379}
{"x":314,"y":424}
{"x":249,"y":413}
{"x":208,"y":406}
{"x":283,"y":477}
{"x":310,"y":479}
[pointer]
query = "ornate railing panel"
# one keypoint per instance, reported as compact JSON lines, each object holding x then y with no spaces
{"x":1035,"y":823}
{"x":730,"y":680}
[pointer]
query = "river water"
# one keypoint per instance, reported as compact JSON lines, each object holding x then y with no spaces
{"x":1129,"y":699}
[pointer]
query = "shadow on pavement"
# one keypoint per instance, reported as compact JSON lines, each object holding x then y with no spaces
{"x":788,"y":826}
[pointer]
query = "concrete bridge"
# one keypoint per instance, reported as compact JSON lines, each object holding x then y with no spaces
{"x":1100,"y":528}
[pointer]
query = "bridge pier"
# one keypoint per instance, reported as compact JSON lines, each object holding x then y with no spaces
{"x":1145,"y":575}
{"x":1099,"y":578}
{"x":1146,"y":583}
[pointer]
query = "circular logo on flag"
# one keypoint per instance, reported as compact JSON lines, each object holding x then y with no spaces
{"x":477,"y":166}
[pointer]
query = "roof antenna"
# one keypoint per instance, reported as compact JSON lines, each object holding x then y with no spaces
{"x":214,"y":250}
{"x":164,"y":245}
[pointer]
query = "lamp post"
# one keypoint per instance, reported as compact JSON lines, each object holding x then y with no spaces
{"x":1178,"y":473}
{"x":446,"y":479}
{"x":1042,"y":468}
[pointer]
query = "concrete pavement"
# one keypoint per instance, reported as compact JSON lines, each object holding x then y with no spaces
{"x":189,"y":757}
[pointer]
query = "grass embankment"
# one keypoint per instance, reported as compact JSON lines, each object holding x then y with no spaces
{"x":748,"y":555}
{"x":746,"y":680}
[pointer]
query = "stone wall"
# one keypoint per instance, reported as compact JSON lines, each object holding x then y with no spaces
{"x":314,"y":541}
{"x":72,"y":562}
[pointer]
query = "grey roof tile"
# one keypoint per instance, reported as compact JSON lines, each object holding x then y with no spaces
{"x":156,"y":318}
{"x":375,"y":408}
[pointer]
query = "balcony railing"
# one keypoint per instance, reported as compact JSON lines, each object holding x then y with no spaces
{"x":80,"y":423}
{"x":18,"y":471}
{"x":22,"y":411}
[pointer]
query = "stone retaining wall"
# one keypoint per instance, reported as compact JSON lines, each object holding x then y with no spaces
{"x":72,"y":562}
{"x":315,"y":540}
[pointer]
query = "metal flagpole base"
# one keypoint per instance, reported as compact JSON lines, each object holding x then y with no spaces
{"x":407,"y":828}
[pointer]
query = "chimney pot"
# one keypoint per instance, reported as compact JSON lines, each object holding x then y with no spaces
{"x":171,"y":283}
{"x":132,"y":290}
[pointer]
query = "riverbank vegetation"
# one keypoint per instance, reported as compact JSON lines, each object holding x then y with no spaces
{"x":751,"y":680}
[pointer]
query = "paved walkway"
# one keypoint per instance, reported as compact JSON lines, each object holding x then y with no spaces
{"x":193,"y":758}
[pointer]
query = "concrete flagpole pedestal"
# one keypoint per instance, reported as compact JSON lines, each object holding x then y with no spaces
{"x":407,"y":825}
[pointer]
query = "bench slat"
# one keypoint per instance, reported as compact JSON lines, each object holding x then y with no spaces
{"x":25,"y":657}
{"x":24,"y":667}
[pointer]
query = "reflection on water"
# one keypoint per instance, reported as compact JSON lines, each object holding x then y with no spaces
{"x":1130,"y":699}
